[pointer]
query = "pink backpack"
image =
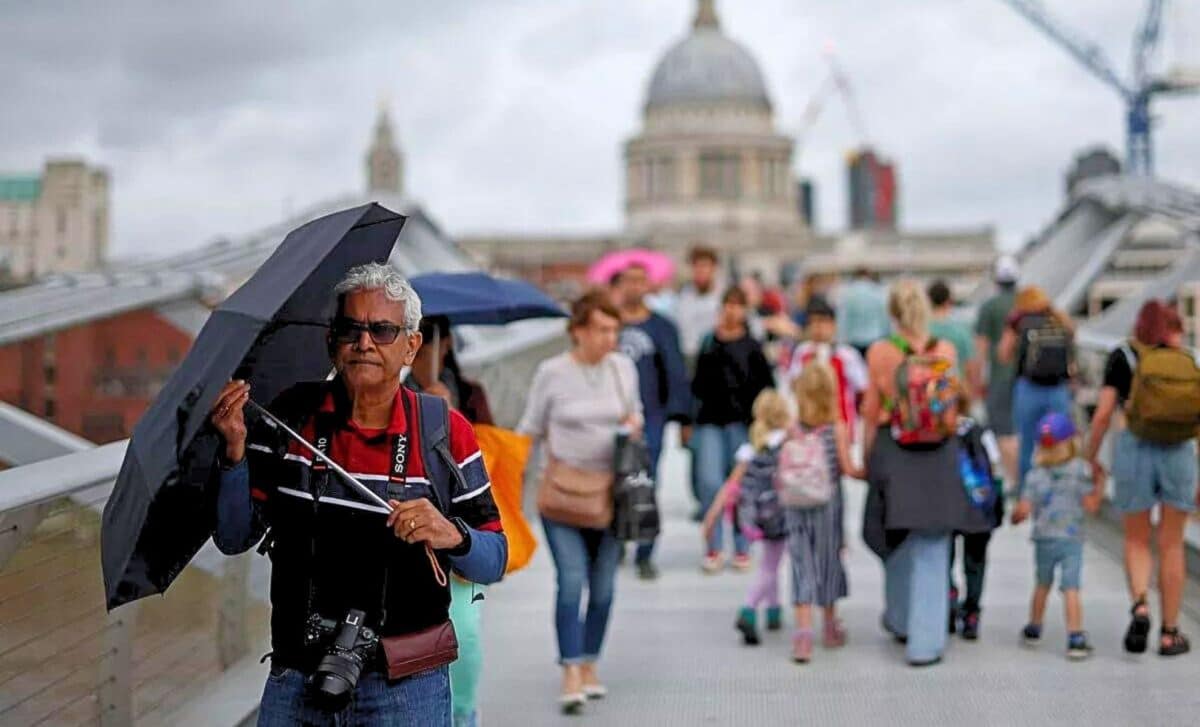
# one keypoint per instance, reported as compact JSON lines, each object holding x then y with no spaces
{"x":803,"y":477}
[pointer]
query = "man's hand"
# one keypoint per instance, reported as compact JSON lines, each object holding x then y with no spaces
{"x":1021,"y":512}
{"x":685,"y":435}
{"x":1091,"y":503}
{"x":634,"y":424}
{"x":419,"y":521}
{"x":228,"y":419}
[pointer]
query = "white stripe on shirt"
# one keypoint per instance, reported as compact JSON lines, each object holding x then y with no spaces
{"x":472,"y":494}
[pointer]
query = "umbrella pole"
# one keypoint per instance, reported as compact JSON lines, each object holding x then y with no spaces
{"x":349,"y":478}
{"x":435,"y":361}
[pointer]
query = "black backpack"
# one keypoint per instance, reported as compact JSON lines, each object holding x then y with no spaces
{"x":1044,"y":350}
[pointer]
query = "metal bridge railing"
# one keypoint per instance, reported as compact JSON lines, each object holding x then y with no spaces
{"x":65,"y":661}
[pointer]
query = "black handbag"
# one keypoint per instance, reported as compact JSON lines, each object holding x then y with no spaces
{"x":635,"y":506}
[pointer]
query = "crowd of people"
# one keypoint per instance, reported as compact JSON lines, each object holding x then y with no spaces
{"x":951,"y":424}
{"x":780,"y":400}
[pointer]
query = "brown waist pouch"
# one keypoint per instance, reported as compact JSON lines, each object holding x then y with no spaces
{"x":411,"y":653}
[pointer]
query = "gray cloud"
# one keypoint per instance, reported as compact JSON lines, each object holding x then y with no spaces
{"x":213,"y":117}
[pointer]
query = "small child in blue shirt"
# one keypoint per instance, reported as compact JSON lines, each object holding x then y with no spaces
{"x":1058,"y":491}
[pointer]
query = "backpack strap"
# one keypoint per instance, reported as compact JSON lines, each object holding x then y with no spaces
{"x":441,"y":469}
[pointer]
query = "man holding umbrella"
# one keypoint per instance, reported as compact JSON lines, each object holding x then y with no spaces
{"x":359,"y":627}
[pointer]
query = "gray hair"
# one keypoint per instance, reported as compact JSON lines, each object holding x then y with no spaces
{"x":385,"y":277}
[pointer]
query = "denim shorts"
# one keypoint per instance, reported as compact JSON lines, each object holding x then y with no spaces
{"x":1147,"y":473}
{"x":1062,"y":553}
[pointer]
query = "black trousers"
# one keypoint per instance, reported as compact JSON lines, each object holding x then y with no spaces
{"x":975,"y":547}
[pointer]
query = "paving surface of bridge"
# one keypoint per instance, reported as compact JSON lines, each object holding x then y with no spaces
{"x":672,"y":655}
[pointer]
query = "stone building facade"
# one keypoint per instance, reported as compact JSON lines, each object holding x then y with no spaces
{"x":54,"y":222}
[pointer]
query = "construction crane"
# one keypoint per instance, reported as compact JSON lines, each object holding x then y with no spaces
{"x":836,"y":80}
{"x":1138,"y":92}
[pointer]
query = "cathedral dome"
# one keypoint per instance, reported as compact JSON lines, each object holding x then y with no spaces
{"x":707,"y":68}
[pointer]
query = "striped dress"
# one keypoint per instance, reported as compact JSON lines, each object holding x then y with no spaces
{"x":815,"y":542}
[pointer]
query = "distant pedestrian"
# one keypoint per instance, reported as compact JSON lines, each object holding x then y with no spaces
{"x":651,"y":341}
{"x":1154,"y":463}
{"x":944,"y":326}
{"x":577,"y":401}
{"x":1039,"y":340}
{"x":1058,"y":491}
{"x":812,"y":461}
{"x":995,"y":382}
{"x":730,"y":374}
{"x":698,"y":303}
{"x":916,"y":497}
{"x":862,"y":311}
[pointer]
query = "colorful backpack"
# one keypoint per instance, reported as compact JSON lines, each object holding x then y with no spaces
{"x":925,"y":410}
{"x":758,"y":501}
{"x":803,"y":477}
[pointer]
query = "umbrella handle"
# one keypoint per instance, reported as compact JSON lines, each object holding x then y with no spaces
{"x":349,"y":478}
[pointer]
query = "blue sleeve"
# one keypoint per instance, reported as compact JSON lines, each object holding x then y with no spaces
{"x":237,"y":529}
{"x":486,"y":560}
{"x":679,"y":400}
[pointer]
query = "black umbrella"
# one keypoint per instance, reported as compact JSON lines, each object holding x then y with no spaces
{"x":271,"y":332}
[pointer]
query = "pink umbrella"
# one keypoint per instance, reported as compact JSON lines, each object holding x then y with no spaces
{"x":660,"y":269}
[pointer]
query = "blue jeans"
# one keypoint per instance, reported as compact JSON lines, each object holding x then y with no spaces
{"x":1031,"y":402}
{"x":416,"y":701}
{"x":916,"y":606}
{"x":582,"y":556}
{"x":654,"y":443}
{"x":713,"y":447}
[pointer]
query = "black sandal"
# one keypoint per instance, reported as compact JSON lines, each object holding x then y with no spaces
{"x":1138,"y":632}
{"x":1173,"y":643}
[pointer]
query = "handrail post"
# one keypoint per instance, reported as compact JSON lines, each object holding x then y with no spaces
{"x":114,"y":690}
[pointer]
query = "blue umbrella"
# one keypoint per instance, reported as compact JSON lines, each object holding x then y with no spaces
{"x":478,"y":299}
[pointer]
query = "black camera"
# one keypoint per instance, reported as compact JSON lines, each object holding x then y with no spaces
{"x":336,"y":675}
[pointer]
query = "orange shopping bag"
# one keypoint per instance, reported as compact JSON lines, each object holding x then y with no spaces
{"x":504,"y":455}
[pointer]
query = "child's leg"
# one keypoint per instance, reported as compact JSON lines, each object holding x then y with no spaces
{"x":773,"y":551}
{"x":1037,"y":607}
{"x":765,"y":589}
{"x":975,"y":548}
{"x":803,"y":613}
{"x":1070,"y":581}
{"x":1073,"y":605}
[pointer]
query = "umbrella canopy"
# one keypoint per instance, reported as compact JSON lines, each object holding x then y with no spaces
{"x":478,"y":299}
{"x":270,"y":332}
{"x":660,"y":268}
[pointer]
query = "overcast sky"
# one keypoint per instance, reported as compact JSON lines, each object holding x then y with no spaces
{"x":216,"y":117}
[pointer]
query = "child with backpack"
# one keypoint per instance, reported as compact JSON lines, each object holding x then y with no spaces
{"x":1057,"y":492}
{"x":749,"y":495}
{"x":848,"y":366}
{"x":979,"y":467}
{"x":812,"y":460}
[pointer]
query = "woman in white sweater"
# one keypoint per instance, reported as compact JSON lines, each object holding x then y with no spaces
{"x":577,"y":403}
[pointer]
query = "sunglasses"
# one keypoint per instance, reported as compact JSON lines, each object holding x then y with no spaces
{"x":348,"y":330}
